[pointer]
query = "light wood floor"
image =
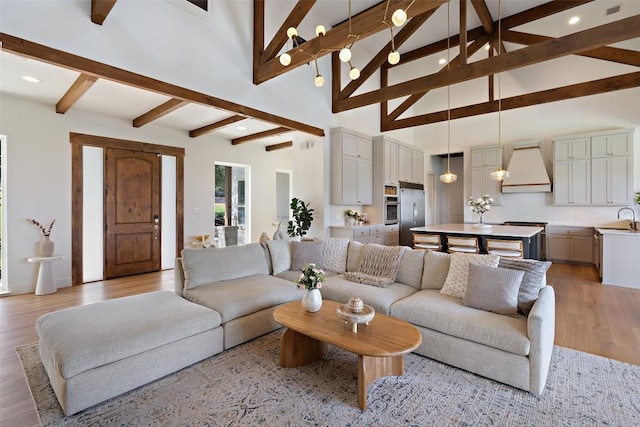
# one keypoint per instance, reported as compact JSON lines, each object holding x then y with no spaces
{"x":603,"y":320}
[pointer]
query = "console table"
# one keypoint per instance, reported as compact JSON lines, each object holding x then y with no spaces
{"x":45,"y":284}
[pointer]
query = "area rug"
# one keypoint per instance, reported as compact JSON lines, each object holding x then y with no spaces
{"x":245,"y":386}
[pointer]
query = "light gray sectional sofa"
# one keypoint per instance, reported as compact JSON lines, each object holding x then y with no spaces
{"x":244,"y":284}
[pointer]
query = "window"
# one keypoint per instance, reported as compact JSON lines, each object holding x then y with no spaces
{"x":231,"y":202}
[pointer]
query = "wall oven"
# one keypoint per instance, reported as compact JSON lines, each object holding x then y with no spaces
{"x":391,"y":209}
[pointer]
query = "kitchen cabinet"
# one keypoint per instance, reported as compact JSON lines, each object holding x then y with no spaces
{"x":351,"y":168}
{"x":390,"y":162}
{"x":570,"y":244}
{"x":594,"y":169}
{"x":410,"y":164}
{"x":619,"y":263}
{"x":391,"y":235}
{"x":572,"y":171}
{"x":376,"y":233}
{"x":484,"y":161}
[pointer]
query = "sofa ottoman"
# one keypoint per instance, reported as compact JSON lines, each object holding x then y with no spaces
{"x":94,"y":352}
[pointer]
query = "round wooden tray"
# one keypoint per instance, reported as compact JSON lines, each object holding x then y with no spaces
{"x":349,"y":316}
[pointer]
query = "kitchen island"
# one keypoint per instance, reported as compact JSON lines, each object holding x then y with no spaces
{"x":530,"y":236}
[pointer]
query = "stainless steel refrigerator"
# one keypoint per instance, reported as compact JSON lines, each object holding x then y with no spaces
{"x":412,"y":208}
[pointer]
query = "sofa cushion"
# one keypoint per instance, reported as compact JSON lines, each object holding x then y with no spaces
{"x":532,"y":282}
{"x":303,"y":253}
{"x":353,"y":255}
{"x":493,"y":289}
{"x":431,"y":309}
{"x":436,"y":268}
{"x":411,"y":268}
{"x":456,"y":283}
{"x":204,"y":266}
{"x":334,"y":254}
{"x":280,"y":252}
{"x":239,"y":297}
{"x":339,"y":289}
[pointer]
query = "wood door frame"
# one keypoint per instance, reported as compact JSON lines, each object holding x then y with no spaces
{"x":78,"y":141}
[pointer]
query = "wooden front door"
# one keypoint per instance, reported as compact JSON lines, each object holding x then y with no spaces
{"x":132,"y":212}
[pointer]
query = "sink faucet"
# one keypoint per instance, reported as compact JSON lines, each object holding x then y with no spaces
{"x":633,"y":221}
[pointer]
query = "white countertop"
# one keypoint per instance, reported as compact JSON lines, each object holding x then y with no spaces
{"x":626,"y":232}
{"x":495,"y":230}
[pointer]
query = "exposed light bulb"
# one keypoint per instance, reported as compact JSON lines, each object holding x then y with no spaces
{"x":285,"y":59}
{"x":345,"y":54}
{"x":354,"y":73}
{"x":292,"y":32}
{"x":399,"y":17}
{"x":448,"y":177}
{"x":319,"y":81}
{"x":320,"y":30}
{"x":393,"y":57}
{"x":499,"y":175}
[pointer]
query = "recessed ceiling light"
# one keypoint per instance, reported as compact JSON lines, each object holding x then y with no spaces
{"x":30,"y":79}
{"x":487,"y":46}
{"x":442,"y":61}
{"x":242,"y":128}
{"x":574,"y":20}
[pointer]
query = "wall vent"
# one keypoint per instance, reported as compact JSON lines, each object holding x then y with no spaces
{"x":612,"y":10}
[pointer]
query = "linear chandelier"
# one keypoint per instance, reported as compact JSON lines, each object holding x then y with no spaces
{"x":398,"y":18}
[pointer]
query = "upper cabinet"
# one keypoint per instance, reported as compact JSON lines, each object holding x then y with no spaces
{"x":390,"y":162}
{"x":410,"y":164}
{"x":594,"y":169}
{"x":484,"y":161}
{"x":351,"y":168}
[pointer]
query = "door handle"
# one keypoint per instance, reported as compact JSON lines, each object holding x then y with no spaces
{"x":156,"y":221}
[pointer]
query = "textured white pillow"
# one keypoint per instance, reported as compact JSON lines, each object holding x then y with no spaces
{"x":456,"y":283}
{"x":334,"y":254}
{"x":280,"y":251}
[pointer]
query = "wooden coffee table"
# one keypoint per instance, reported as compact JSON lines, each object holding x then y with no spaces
{"x":380,"y":346}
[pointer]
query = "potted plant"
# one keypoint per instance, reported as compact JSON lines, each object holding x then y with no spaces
{"x":302,"y":217}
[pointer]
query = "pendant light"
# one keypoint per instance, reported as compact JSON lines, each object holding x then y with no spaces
{"x":499,"y":174}
{"x":448,"y":177}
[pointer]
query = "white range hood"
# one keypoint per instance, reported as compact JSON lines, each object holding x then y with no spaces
{"x":527,"y":173}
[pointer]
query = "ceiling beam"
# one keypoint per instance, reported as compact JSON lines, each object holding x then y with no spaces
{"x":213,"y":126}
{"x":603,"y":35}
{"x":100,"y":9}
{"x":260,"y":135}
{"x":75,"y":92}
{"x":87,"y":66}
{"x":613,"y":54}
{"x":363,"y":25}
{"x":160,"y":111}
{"x":595,"y":87}
{"x":280,"y":146}
{"x":539,"y":12}
{"x":455,"y":62}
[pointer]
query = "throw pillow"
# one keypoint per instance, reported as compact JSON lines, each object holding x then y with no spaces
{"x":456,"y":283}
{"x":493,"y":289}
{"x":411,"y":267}
{"x":353,"y":255}
{"x":532,"y":282}
{"x":334,"y":254}
{"x":436,"y":268}
{"x":378,"y":265}
{"x":280,"y":251}
{"x":303,"y":253}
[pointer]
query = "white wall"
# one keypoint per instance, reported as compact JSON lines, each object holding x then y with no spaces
{"x":39,"y":178}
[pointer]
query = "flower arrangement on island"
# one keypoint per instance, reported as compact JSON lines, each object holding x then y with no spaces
{"x":311,"y":277}
{"x":480,"y":205}
{"x":46,"y":231}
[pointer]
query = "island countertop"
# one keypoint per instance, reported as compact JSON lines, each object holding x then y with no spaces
{"x":495,"y":230}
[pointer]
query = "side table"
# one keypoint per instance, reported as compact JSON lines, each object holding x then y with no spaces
{"x":45,"y":283}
